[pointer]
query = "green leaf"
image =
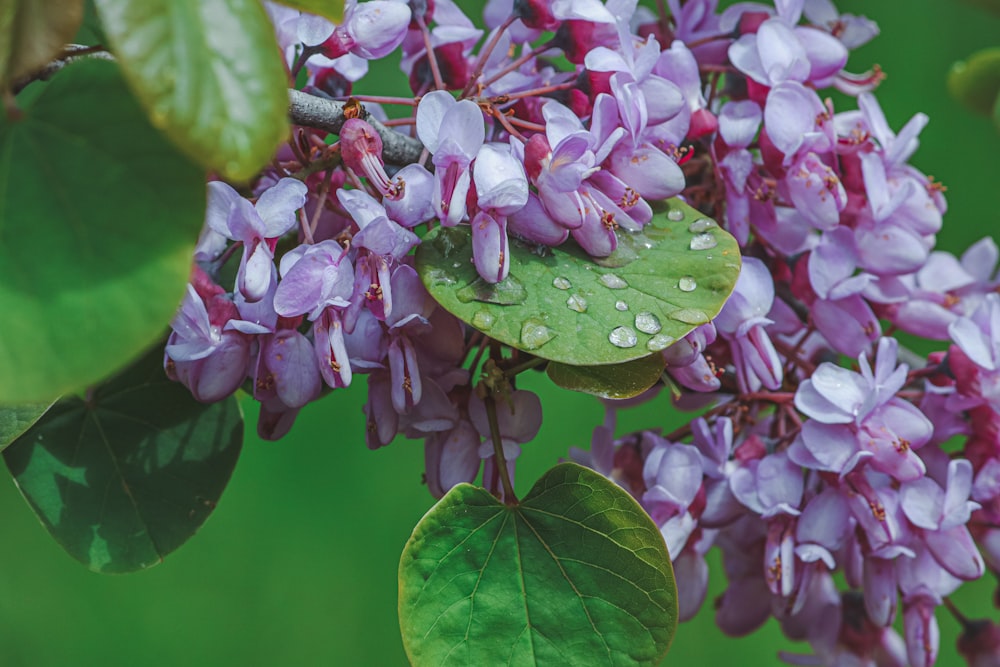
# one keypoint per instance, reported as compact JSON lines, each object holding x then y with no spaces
{"x":32,"y":33}
{"x":98,"y":220}
{"x":577,"y":574}
{"x":125,"y":477}
{"x":617,"y":381}
{"x":17,"y":419}
{"x":656,"y":287}
{"x":975,"y":82}
{"x":209,"y":73}
{"x":331,"y":9}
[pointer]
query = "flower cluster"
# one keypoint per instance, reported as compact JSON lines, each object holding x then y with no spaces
{"x":800,"y":468}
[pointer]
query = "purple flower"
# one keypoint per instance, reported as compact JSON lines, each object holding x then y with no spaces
{"x":857,"y":419}
{"x":978,"y":339}
{"x":256,"y":226}
{"x":501,"y":189}
{"x":742,"y":321}
{"x":780,"y":51}
{"x":453,"y":132}
{"x":370,"y":30}
{"x":941,"y":515}
{"x":206,"y":351}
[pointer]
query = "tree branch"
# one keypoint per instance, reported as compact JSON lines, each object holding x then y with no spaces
{"x":70,"y":53}
{"x":323,"y":114}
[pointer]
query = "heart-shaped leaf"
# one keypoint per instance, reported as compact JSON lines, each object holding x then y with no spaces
{"x":562,"y":305}
{"x":617,"y":381}
{"x":576,"y":574}
{"x":128,"y":475}
{"x":98,"y":220}
{"x":209,"y":73}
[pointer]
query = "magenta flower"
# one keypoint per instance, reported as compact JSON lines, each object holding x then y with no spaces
{"x":501,"y":189}
{"x":742,"y":322}
{"x":857,"y":419}
{"x":453,"y":132}
{"x":256,"y":226}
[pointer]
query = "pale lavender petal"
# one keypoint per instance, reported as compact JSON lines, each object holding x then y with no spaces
{"x":415,"y":206}
{"x":256,"y":273}
{"x":833,"y":395}
{"x":922,"y":500}
{"x":779,"y":481}
{"x":691,"y":574}
{"x":955,"y":551}
{"x":430,"y":115}
{"x":501,"y":183}
{"x":648,"y":170}
{"x":290,"y":358}
{"x":781,"y":52}
{"x":277,"y":207}
{"x":535,"y":224}
{"x":739,"y":122}
{"x":880,"y":590}
{"x":221,"y":197}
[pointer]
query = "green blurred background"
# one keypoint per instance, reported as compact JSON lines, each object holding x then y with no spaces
{"x":298,"y":564}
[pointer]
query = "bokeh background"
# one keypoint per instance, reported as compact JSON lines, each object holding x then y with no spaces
{"x":297,"y":566}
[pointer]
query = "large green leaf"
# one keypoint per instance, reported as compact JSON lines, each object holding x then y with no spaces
{"x":32,"y":32}
{"x":128,"y":475}
{"x":17,"y":419}
{"x":576,"y":574}
{"x":616,"y":381}
{"x":98,"y":220}
{"x":564,"y":306}
{"x":210,"y":74}
{"x":331,"y":9}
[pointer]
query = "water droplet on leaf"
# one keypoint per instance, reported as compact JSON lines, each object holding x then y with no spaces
{"x":577,"y":303}
{"x":612,"y":281}
{"x":621,"y":305}
{"x":647,"y":322}
{"x":561,"y":283}
{"x":483,"y":319}
{"x":507,"y":292}
{"x":687,"y":284}
{"x":675,"y":214}
{"x":660,"y":342}
{"x":534,"y":334}
{"x":623,"y":337}
{"x":703,"y":242}
{"x":439,"y":277}
{"x":701,"y":225}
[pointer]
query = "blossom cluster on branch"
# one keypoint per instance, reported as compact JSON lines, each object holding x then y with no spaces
{"x":560,"y":125}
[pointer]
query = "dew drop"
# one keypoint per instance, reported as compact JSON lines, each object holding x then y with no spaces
{"x":623,"y":337}
{"x":703,"y":242}
{"x":561,"y":283}
{"x":647,"y":322}
{"x":701,"y":225}
{"x":483,"y":320}
{"x":534,"y":334}
{"x":687,"y":284}
{"x":612,"y":281}
{"x":621,"y":305}
{"x":689,"y":316}
{"x":577,"y":303}
{"x":660,"y":342}
{"x":675,"y":214}
{"x":439,"y":277}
